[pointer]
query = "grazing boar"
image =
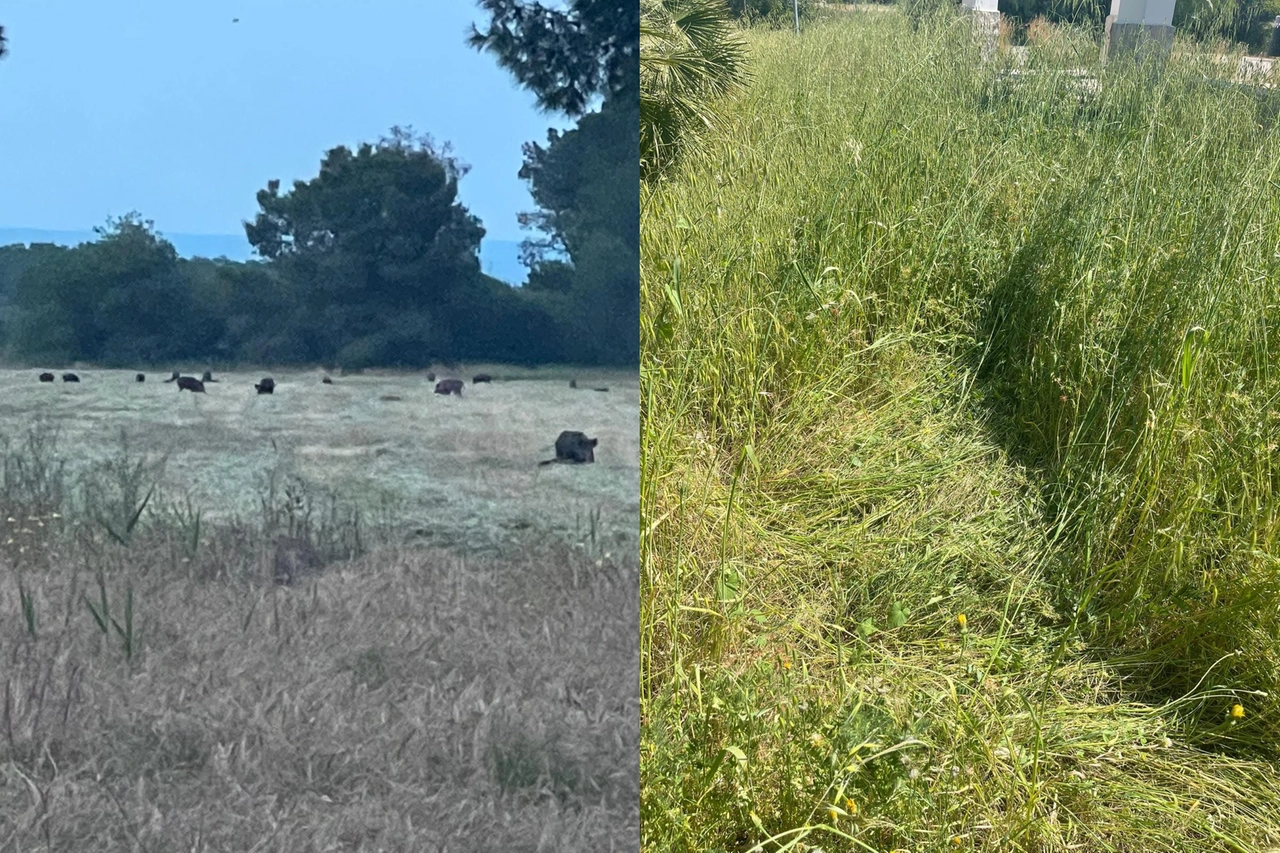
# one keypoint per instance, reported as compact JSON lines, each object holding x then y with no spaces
{"x":574,"y":447}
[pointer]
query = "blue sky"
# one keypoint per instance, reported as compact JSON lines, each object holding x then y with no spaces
{"x":172,"y":109}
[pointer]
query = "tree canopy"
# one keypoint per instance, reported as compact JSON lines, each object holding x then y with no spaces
{"x":114,"y":299}
{"x":692,"y":57}
{"x":584,"y":180}
{"x":382,"y":222}
{"x":373,"y":262}
{"x":566,"y":57}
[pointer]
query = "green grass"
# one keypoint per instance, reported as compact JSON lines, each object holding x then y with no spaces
{"x":923,"y":339}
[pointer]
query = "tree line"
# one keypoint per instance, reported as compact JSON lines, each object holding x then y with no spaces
{"x":374,"y":261}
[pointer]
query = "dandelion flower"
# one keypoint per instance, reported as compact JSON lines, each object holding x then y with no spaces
{"x":850,"y":806}
{"x":962,"y":621}
{"x":1237,"y":711}
{"x":786,"y":664}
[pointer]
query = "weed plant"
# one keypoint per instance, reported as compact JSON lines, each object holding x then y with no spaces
{"x":960,"y":431}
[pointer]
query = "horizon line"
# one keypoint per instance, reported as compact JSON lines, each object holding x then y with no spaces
{"x":163,"y":233}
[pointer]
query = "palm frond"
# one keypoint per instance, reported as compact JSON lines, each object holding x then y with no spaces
{"x":690,"y":57}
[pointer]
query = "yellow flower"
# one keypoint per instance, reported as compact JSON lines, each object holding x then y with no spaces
{"x":963,"y":622}
{"x":834,"y":811}
{"x":850,"y":806}
{"x":786,"y":664}
{"x":1237,"y":711}
{"x":956,"y":841}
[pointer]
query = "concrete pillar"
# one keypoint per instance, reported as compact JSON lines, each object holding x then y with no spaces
{"x":986,"y":23}
{"x":1137,"y":27}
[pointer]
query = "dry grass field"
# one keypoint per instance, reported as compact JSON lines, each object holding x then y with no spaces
{"x":454,"y":666}
{"x":462,"y":470}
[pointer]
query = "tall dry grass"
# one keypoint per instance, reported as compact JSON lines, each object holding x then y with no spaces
{"x":161,"y":692}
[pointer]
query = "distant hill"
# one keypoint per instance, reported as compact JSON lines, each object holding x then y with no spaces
{"x":498,"y":258}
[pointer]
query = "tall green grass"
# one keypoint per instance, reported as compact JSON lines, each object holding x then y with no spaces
{"x":924,"y":337}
